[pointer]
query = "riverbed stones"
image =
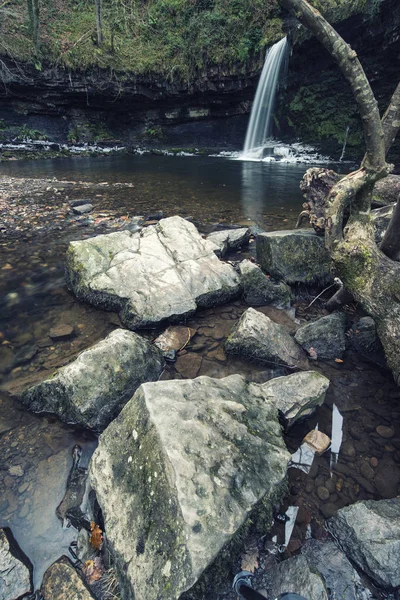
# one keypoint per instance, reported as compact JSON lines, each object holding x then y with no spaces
{"x":164,"y":272}
{"x":93,"y":388}
{"x":61,"y":581}
{"x":15,"y":576}
{"x":229,"y":239}
{"x":297,"y":256}
{"x":259,"y":289}
{"x":256,"y":337}
{"x":369,"y":533}
{"x":298,"y":395}
{"x":178,"y":472}
{"x":324,"y":338}
{"x":317,"y":441}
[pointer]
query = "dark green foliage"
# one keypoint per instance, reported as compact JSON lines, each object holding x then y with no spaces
{"x":179,"y":39}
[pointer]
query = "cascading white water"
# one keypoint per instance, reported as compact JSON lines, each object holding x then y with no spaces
{"x":258,"y":129}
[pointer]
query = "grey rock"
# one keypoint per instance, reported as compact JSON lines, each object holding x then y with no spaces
{"x":326,"y":336}
{"x":93,"y":388}
{"x":256,"y":337}
{"x":294,"y":575}
{"x":82,"y":209}
{"x":15,"y":576}
{"x":178,"y":472}
{"x":297,"y":396}
{"x":369,"y":534}
{"x":340,"y":577}
{"x":387,"y":190}
{"x":164,"y":272}
{"x":258,"y":289}
{"x":61,"y":581}
{"x":363,"y":338}
{"x":295,"y":256}
{"x":80,"y":202}
{"x":381,"y":218}
{"x":229,"y":239}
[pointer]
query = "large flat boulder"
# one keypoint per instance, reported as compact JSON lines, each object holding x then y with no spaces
{"x":369,"y":533}
{"x":256,"y":337}
{"x":15,"y":576}
{"x":297,"y":396}
{"x":164,"y":272}
{"x":179,"y":471}
{"x":324,"y":338}
{"x":297,"y":256}
{"x":93,"y":388}
{"x":258,"y":289}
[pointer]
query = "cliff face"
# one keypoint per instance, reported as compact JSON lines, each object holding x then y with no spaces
{"x":315,"y":106}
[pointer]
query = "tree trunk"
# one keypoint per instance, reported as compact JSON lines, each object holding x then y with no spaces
{"x":99,"y":21}
{"x":370,"y":276}
{"x":34,"y":13}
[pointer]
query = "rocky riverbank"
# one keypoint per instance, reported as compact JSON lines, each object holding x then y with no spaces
{"x":200,"y":501}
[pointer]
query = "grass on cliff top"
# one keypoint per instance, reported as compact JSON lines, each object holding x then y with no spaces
{"x":178,"y":39}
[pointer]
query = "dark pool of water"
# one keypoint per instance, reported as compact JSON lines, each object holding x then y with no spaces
{"x":215,"y":185}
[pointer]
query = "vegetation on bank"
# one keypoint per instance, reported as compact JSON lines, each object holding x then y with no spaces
{"x":178,"y":39}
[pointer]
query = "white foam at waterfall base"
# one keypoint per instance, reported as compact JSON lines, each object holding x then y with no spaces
{"x":277,"y":151}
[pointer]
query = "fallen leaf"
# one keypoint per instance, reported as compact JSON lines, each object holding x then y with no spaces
{"x":250,"y":560}
{"x":338,"y":360}
{"x":96,"y":537}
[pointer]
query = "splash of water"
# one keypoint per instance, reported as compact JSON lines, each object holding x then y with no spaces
{"x":259,"y":126}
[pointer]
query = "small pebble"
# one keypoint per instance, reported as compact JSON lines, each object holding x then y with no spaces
{"x":374,"y":462}
{"x":323,"y":493}
{"x":385,"y":432}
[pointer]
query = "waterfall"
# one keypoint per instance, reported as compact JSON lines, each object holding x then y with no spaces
{"x":344,"y":143}
{"x":259,"y":126}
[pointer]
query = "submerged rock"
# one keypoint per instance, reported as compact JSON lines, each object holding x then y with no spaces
{"x":369,"y":533}
{"x":229,"y":239}
{"x":179,"y":472}
{"x":258,"y":289}
{"x":297,"y":396}
{"x":297,"y":256}
{"x":93,"y":388}
{"x":164,"y":272}
{"x":174,"y":338}
{"x":324,"y":338}
{"x":256,"y":337}
{"x":15,"y":576}
{"x":61,"y":581}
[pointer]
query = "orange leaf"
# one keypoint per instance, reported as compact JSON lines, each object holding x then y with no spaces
{"x":96,"y":538}
{"x":338,"y":360}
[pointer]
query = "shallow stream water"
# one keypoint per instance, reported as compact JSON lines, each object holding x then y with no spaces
{"x":37,"y":451}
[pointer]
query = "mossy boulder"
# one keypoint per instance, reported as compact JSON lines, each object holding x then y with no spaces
{"x":93,"y":388}
{"x":297,"y":256}
{"x":258,"y":289}
{"x":179,"y":472}
{"x":256,"y":337}
{"x":324,"y":338}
